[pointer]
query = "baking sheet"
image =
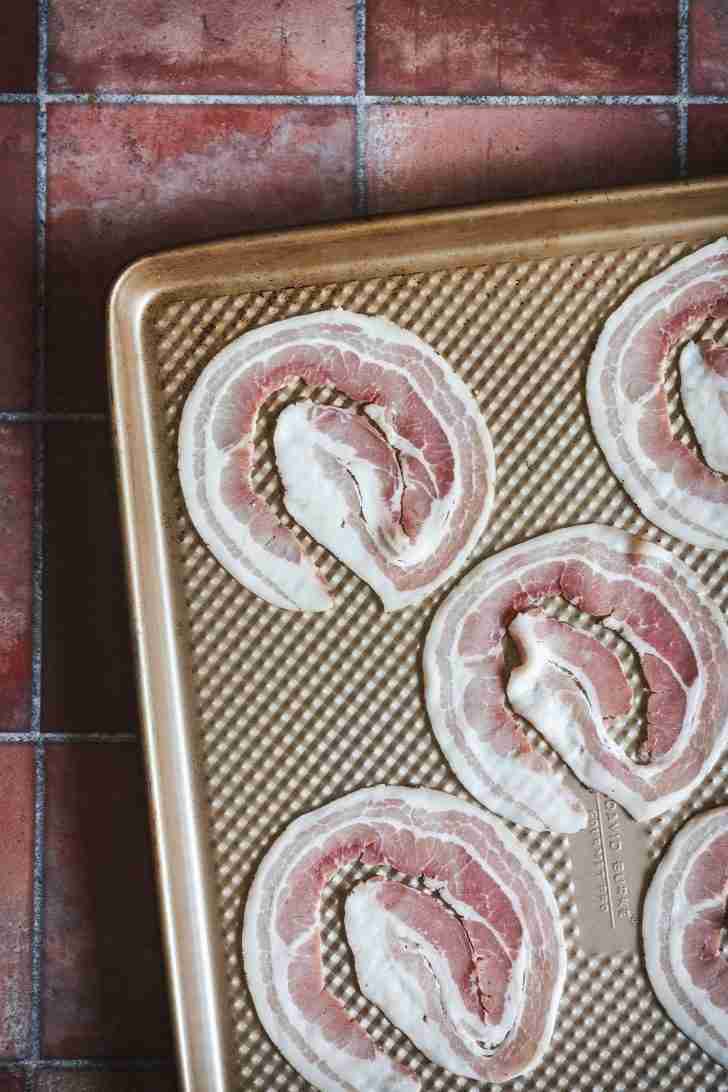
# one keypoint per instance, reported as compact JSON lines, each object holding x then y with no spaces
{"x":253,"y":715}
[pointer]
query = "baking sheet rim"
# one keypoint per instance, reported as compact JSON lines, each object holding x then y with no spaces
{"x":479,"y":235}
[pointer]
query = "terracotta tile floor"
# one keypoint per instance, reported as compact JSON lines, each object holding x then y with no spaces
{"x":88,"y":676}
{"x":708,"y":138}
{"x":12,"y":1082}
{"x":451,"y":155}
{"x":534,"y":47}
{"x":179,"y":45}
{"x":99,"y":1081}
{"x":709,"y":42}
{"x":17,"y":229}
{"x":16,"y":572}
{"x":18,"y":49}
{"x":17,"y":777}
{"x":103,"y":984}
{"x":149,"y":123}
{"x":125,"y":180}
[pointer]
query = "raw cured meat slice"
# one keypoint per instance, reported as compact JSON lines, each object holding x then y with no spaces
{"x":568,"y":685}
{"x":404,"y":942}
{"x":628,"y":402}
{"x":470,"y":964}
{"x":684,"y":927}
{"x":704,"y":391}
{"x":597,"y":670}
{"x":358,"y":485}
{"x":399,"y":489}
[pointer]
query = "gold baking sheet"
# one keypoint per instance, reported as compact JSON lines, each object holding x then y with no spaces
{"x":253,"y":715}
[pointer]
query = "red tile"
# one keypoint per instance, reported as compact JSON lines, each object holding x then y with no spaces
{"x":88,"y":676}
{"x":709,"y":47}
{"x":125,"y":181}
{"x":16,"y":515}
{"x":18,"y":46}
{"x":104,"y":989}
{"x":708,"y":139}
{"x":17,"y":765}
{"x":17,"y":235}
{"x":421,"y":157}
{"x":223,"y":45}
{"x":59,"y":1081}
{"x":12,"y":1082}
{"x":526,"y":48}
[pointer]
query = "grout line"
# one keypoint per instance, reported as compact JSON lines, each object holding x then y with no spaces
{"x":20,"y":417}
{"x":36,"y":1019}
{"x":683,"y":85}
{"x":113,"y":98}
{"x":41,"y":203}
{"x":681,"y":141}
{"x":361,"y":190}
{"x":36,"y":718}
{"x":93,"y":1065}
{"x":68,"y":737}
{"x":38,"y":569}
{"x":39,"y":396}
{"x":91,"y":98}
{"x":36,"y":738}
{"x":683,"y":49}
{"x":521,"y":100}
{"x":91,"y":737}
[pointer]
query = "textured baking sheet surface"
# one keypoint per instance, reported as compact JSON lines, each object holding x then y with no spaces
{"x":295,"y":710}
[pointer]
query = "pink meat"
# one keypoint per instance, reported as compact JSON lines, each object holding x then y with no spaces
{"x":432,"y":920}
{"x":431,"y":440}
{"x":684,"y":927}
{"x":666,"y":706}
{"x":637,"y":588}
{"x":706,"y":965}
{"x":600,"y":665}
{"x":330,"y":431}
{"x":628,"y":401}
{"x":444,"y":980}
{"x":478,"y":961}
{"x":492,"y":911}
{"x":708,"y":875}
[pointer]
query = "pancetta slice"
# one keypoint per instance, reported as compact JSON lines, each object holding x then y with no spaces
{"x":628,"y":402}
{"x":469,"y":963}
{"x":568,"y":685}
{"x":704,"y":391}
{"x":684,"y":927}
{"x":399,"y":488}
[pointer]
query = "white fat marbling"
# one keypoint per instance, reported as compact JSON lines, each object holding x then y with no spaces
{"x":705,"y":396}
